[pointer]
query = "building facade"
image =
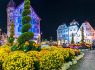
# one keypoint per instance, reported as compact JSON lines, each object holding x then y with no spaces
{"x":15,"y":14}
{"x":75,"y":29}
{"x":89,"y":33}
{"x":62,"y":35}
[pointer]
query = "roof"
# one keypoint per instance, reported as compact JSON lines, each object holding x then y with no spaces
{"x":11,"y":3}
{"x":74,"y":22}
{"x":30,"y":8}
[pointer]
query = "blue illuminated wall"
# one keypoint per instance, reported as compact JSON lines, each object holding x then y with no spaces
{"x":62,"y":33}
{"x":17,"y":17}
{"x":65,"y":32}
{"x":73,"y":29}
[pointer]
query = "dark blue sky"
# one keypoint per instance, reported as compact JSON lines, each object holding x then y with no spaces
{"x":55,"y":12}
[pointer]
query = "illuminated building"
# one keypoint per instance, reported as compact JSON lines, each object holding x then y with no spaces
{"x":15,"y":14}
{"x":89,"y":33}
{"x":73,"y":29}
{"x":62,"y":33}
{"x":65,"y":33}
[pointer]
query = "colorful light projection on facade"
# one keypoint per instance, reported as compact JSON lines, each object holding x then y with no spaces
{"x":15,"y":14}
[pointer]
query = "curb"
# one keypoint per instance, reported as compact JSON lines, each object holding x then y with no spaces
{"x":66,"y":66}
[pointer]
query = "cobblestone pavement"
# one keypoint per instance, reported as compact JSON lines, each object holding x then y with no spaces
{"x":86,"y":63}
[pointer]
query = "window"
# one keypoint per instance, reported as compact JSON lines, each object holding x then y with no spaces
{"x":78,"y":35}
{"x":11,"y":17}
{"x":88,"y":28}
{"x":34,"y":30}
{"x":33,"y":21}
{"x":10,"y":20}
{"x":91,"y":34}
{"x":11,"y":10}
{"x":37,"y":30}
{"x":63,"y":35}
{"x":19,"y":20}
{"x":19,"y":28}
{"x":66,"y":30}
{"x":20,"y":11}
{"x":71,"y":30}
{"x":85,"y":23}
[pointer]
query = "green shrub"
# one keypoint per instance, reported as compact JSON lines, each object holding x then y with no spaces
{"x":11,"y":37}
{"x":26,"y":27}
{"x":25,"y":37}
{"x":25,"y":12}
{"x":27,"y":3}
{"x":26,"y":19}
{"x":31,"y":45}
{"x":14,"y":48}
{"x":10,"y":40}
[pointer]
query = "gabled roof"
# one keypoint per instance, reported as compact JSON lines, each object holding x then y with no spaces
{"x":11,"y":3}
{"x":31,"y":9}
{"x":87,"y":23}
{"x":62,"y":26}
{"x":74,"y":22}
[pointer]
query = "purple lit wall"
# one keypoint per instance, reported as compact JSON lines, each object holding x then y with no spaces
{"x":16,"y":15}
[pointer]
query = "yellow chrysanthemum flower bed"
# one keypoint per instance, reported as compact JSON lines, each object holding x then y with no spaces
{"x":46,"y":59}
{"x":4,"y":52}
{"x":18,"y":60}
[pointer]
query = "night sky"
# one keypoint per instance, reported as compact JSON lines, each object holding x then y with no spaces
{"x":55,"y":12}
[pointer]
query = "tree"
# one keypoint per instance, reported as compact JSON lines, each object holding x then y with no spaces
{"x":72,"y":40}
{"x":82,"y":35}
{"x":26,"y":36}
{"x":11,"y":37}
{"x":12,"y":30}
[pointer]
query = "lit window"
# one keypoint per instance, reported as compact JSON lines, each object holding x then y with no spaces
{"x":70,"y":30}
{"x":33,"y":21}
{"x":37,"y":30}
{"x":20,"y":11}
{"x":34,"y":30}
{"x":19,"y":28}
{"x":85,"y":23}
{"x":11,"y":10}
{"x":88,"y":28}
{"x":19,"y":20}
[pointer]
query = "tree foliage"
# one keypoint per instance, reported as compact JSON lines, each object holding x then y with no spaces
{"x":26,"y":35}
{"x":11,"y":37}
{"x":26,"y":27}
{"x":82,"y":35}
{"x":12,"y":30}
{"x":72,"y":40}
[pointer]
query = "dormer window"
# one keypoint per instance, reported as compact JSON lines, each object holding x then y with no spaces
{"x":85,"y":23}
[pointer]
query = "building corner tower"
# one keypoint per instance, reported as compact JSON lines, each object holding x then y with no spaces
{"x":10,"y":15}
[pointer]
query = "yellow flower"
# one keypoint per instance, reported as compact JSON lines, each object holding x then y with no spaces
{"x":27,"y":43}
